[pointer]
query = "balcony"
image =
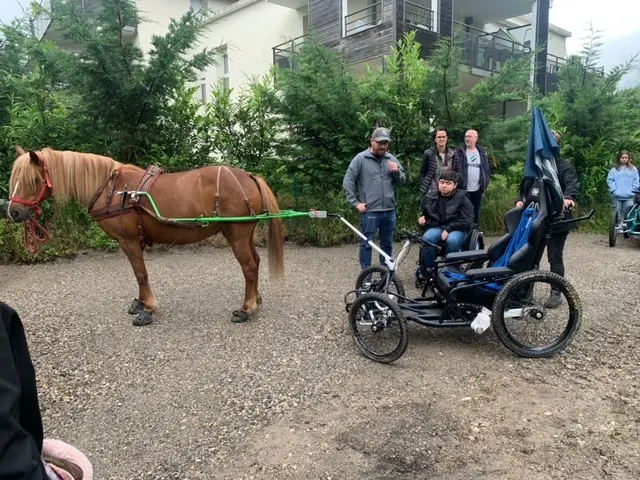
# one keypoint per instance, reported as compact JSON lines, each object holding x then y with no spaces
{"x":284,"y":54}
{"x":554,"y":66}
{"x":295,"y":4}
{"x":487,"y":11}
{"x":362,"y":19}
{"x":418,"y":15}
{"x":487,"y":51}
{"x":45,"y":27}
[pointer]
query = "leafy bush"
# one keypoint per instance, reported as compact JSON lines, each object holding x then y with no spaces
{"x":299,"y":128}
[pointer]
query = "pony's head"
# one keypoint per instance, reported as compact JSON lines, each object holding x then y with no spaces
{"x":29,"y":185}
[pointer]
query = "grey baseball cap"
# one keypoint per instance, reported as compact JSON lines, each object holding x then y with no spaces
{"x":381,"y":134}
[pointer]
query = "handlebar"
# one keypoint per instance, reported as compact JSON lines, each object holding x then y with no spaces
{"x":415,"y":237}
{"x":577,"y":219}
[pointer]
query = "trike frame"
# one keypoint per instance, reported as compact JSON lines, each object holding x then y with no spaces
{"x":629,"y":226}
{"x":444,"y":311}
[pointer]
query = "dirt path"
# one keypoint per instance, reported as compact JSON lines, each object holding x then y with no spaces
{"x":287,"y":395}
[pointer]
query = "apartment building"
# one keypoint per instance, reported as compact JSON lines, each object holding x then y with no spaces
{"x":255,"y":34}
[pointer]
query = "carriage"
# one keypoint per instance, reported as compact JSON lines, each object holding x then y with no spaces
{"x":499,"y":288}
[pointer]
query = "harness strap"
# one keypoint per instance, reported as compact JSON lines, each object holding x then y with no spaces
{"x":217,"y":196}
{"x":264,"y":205}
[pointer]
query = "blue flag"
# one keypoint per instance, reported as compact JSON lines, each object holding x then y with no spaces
{"x":541,"y":157}
{"x":542,"y":146}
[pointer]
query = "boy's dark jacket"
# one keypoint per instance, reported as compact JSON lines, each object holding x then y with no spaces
{"x":457,"y":215}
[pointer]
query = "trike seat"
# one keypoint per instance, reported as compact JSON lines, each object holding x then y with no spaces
{"x":466,"y":256}
{"x":515,"y":252}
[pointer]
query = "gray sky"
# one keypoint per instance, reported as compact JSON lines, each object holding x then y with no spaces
{"x":617,"y":18}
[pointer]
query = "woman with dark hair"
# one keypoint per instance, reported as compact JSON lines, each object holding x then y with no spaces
{"x":623,"y":182}
{"x":437,"y":159}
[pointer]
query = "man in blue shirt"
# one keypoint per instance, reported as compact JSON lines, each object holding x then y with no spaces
{"x":374,"y":173}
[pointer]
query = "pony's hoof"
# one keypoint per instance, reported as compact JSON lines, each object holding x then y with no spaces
{"x":136,"y":307}
{"x":145,"y":317}
{"x":239,"y":316}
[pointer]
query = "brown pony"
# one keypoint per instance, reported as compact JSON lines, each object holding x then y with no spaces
{"x":98,"y":182}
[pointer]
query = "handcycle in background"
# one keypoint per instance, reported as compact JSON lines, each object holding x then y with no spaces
{"x":477,"y":298}
{"x":627,"y":224}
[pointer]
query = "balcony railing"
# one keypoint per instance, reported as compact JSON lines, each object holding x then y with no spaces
{"x":363,"y":19}
{"x":487,"y":51}
{"x":42,"y":20}
{"x":418,"y":15}
{"x":284,"y":55}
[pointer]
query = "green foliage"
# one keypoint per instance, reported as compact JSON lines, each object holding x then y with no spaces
{"x":122,"y":94}
{"x":595,"y":118}
{"x":299,"y":128}
{"x":244,"y":129}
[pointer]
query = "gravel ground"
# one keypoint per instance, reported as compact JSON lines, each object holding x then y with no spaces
{"x":287,"y":395}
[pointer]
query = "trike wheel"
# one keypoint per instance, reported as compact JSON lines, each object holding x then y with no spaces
{"x":476,"y":242}
{"x":374,"y":279}
{"x":373,"y":318}
{"x":613,"y":224}
{"x":533,"y":303}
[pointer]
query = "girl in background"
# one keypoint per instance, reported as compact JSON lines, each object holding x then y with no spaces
{"x":623,"y":181}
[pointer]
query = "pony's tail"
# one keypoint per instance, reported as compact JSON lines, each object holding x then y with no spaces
{"x":275,"y":240}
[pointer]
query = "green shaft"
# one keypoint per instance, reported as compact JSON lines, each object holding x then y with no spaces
{"x":266,"y":216}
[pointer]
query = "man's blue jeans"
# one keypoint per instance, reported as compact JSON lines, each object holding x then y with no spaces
{"x":370,"y":224}
{"x":455,"y":243}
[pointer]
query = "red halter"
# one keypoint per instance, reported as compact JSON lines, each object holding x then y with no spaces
{"x":32,"y":227}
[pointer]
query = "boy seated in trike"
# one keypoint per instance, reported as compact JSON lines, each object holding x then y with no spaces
{"x":448,"y":218}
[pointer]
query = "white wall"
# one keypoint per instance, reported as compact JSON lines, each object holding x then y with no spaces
{"x":250,"y":34}
{"x":156,"y":15}
{"x":557,"y":44}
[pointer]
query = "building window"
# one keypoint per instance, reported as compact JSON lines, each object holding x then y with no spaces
{"x":422,"y":14}
{"x":203,"y":90}
{"x":225,"y":71}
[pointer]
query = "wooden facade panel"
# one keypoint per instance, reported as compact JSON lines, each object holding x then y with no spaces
{"x":325,"y":22}
{"x":373,"y":42}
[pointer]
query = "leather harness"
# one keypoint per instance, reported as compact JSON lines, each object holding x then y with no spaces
{"x":146,"y":182}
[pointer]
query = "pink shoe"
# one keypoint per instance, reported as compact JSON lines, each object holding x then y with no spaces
{"x":67,"y":461}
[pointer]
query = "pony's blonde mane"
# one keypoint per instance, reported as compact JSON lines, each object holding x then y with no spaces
{"x":74,"y":175}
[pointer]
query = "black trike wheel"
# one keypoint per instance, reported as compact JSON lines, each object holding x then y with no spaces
{"x":373,"y":316}
{"x":520,"y":302}
{"x":613,"y":235}
{"x":476,"y":242}
{"x":374,"y":279}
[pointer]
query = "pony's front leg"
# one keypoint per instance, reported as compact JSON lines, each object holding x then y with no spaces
{"x":145,"y":305}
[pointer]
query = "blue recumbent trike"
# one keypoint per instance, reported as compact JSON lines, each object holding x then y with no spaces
{"x":509,"y":294}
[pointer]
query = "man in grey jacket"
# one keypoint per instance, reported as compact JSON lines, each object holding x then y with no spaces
{"x":375,"y":172}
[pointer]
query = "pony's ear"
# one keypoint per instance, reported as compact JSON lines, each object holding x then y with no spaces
{"x":19,"y":150}
{"x":35,"y":159}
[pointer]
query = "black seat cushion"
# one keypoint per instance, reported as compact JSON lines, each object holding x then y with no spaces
{"x":477,"y":295}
